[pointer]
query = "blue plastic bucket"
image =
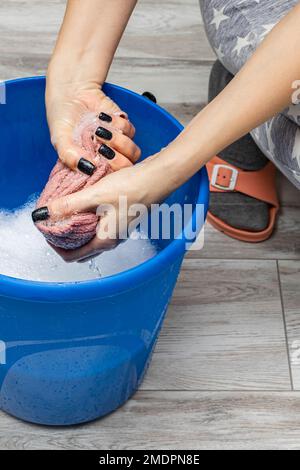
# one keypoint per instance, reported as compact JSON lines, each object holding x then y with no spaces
{"x":77,"y":351}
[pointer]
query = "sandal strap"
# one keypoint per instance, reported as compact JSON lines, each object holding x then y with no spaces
{"x":257,"y":184}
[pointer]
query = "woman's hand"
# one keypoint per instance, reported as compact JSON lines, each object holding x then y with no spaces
{"x":67,"y":103}
{"x":86,"y":44}
{"x":114,"y":199}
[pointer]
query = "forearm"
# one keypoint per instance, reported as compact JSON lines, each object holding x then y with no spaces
{"x":88,"y":39}
{"x":258,"y":92}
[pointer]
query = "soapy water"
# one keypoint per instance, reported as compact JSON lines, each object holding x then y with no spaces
{"x":24,"y":253}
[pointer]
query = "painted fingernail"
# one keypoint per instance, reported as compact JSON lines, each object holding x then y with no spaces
{"x":150,"y":96}
{"x":105,"y":117}
{"x":107,"y":152}
{"x":40,"y":215}
{"x":103,"y":133}
{"x":86,"y":167}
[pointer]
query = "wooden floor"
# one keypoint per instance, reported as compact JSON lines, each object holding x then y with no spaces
{"x":226,"y":371}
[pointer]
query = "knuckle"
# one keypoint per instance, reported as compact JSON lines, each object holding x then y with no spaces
{"x":65,"y":205}
{"x":138,"y":153}
{"x":133,"y":151}
{"x":122,"y":126}
{"x":123,"y":162}
{"x":130,"y":148}
{"x":127,"y":163}
{"x":133,"y":130}
{"x":126,"y":128}
{"x":63,"y":157}
{"x":69,"y":158}
{"x":61,"y":207}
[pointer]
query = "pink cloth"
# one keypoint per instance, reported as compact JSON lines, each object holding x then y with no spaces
{"x":77,"y":230}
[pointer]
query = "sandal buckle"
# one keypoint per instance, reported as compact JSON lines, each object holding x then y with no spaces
{"x":233,"y":178}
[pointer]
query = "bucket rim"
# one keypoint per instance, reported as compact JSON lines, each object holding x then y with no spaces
{"x":39,"y":291}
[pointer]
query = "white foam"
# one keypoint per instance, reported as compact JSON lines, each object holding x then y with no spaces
{"x":24,"y":253}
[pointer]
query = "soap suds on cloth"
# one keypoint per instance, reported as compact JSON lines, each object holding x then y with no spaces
{"x":25,"y":254}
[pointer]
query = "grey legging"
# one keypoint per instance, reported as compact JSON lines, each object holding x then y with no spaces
{"x":235,"y":28}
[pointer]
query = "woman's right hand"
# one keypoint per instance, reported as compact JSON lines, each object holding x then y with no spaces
{"x":118,"y":199}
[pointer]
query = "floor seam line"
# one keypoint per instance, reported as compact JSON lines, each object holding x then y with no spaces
{"x":239,"y":259}
{"x":263,"y":390}
{"x":285,"y":326}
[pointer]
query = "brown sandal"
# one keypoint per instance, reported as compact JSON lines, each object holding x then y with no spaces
{"x":257,"y":184}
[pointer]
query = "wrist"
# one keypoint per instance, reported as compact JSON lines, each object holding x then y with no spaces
{"x":171,"y":167}
{"x":72,"y":76}
{"x":155,"y":168}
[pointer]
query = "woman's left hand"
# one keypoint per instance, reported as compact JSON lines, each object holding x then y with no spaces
{"x":66,"y":104}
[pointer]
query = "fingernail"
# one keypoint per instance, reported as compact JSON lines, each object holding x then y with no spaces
{"x":103,"y":133}
{"x":40,"y":215}
{"x":105,"y":117}
{"x":86,"y":167}
{"x":107,"y":152}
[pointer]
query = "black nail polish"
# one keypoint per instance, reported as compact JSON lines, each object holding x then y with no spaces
{"x":150,"y":96}
{"x":105,"y":117}
{"x":103,"y":133}
{"x":86,"y":167}
{"x":40,"y":215}
{"x":107,"y":152}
